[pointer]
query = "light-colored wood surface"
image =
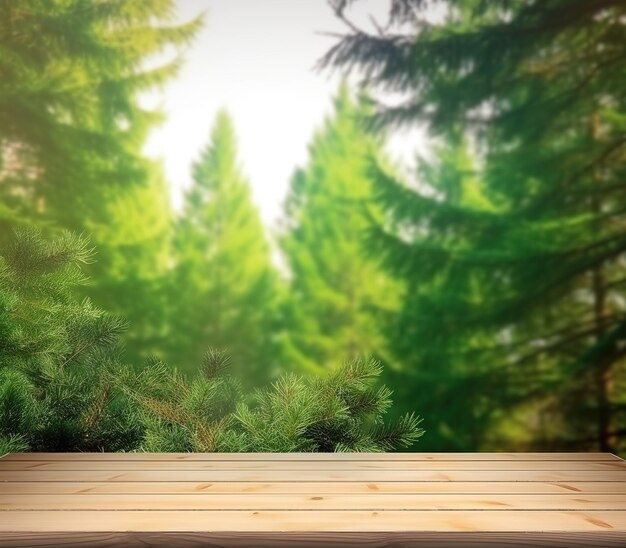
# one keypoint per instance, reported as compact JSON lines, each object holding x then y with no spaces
{"x":314,"y":488}
{"x":329,"y":476}
{"x":313,"y":466}
{"x":380,"y":502}
{"x":316,"y":520}
{"x":316,"y":457}
{"x":531,"y":499}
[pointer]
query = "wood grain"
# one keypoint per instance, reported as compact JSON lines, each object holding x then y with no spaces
{"x":421,"y":539}
{"x":314,"y":488}
{"x":364,"y":501}
{"x":315,"y":457}
{"x":311,"y":520}
{"x":401,"y":499}
{"x":323,"y":466}
{"x":310,"y":475}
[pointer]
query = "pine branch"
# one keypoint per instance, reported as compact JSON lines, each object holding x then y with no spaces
{"x":402,"y":434}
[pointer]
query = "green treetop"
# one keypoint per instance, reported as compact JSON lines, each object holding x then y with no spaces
{"x":224,"y":282}
{"x":337,"y":293}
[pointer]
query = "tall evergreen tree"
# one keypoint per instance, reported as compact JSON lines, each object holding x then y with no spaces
{"x":540,"y":86}
{"x":337,"y":294}
{"x":433,"y":351}
{"x":131,"y":274}
{"x":224,"y":283}
{"x":71,"y":125}
{"x":72,"y":128}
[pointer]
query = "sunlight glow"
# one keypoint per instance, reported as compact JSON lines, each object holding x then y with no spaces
{"x":256,"y":59}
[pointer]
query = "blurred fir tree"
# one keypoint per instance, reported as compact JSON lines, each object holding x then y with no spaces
{"x":338,"y":295}
{"x":540,"y":87}
{"x":224,"y":285}
{"x":72,"y":128}
{"x":432,"y":350}
{"x":132,"y":273}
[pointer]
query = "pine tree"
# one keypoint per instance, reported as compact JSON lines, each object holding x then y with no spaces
{"x":538,"y":85}
{"x":72,"y":129}
{"x":132,"y":271}
{"x":58,"y":356}
{"x":181,"y":414}
{"x":63,"y":387}
{"x":337,"y":294}
{"x":224,"y":282}
{"x":433,"y":351}
{"x":341,"y":412}
{"x":71,"y":124}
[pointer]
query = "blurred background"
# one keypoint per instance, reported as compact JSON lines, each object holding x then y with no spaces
{"x":438,"y":184}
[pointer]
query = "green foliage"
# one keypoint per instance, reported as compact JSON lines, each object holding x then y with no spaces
{"x":63,"y":388}
{"x":12,"y":444}
{"x":340,"y":412}
{"x":72,"y":130}
{"x":491,"y":284}
{"x":224,"y":284}
{"x":58,"y":357}
{"x":338,"y":296}
{"x":69,"y":113}
{"x":132,"y":273}
{"x":527,"y":287}
{"x":179,"y":414}
{"x":431,"y":346}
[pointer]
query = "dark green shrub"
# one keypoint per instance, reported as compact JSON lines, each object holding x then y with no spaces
{"x":64,"y":388}
{"x":58,"y":356}
{"x":340,"y":412}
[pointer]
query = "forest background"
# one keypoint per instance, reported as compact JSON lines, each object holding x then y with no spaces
{"x":488,"y":278}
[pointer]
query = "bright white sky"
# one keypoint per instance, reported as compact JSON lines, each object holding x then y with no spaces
{"x":256,"y":59}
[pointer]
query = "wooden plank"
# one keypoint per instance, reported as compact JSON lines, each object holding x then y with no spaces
{"x":330,"y":499}
{"x":312,"y":520}
{"x":413,"y":539}
{"x":316,"y":457}
{"x":311,"y":475}
{"x":364,"y":501}
{"x":325,"y":466}
{"x":314,"y":488}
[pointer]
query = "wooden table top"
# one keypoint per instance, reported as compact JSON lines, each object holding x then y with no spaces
{"x":421,"y":499}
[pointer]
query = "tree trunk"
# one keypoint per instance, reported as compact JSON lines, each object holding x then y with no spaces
{"x":602,"y":369}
